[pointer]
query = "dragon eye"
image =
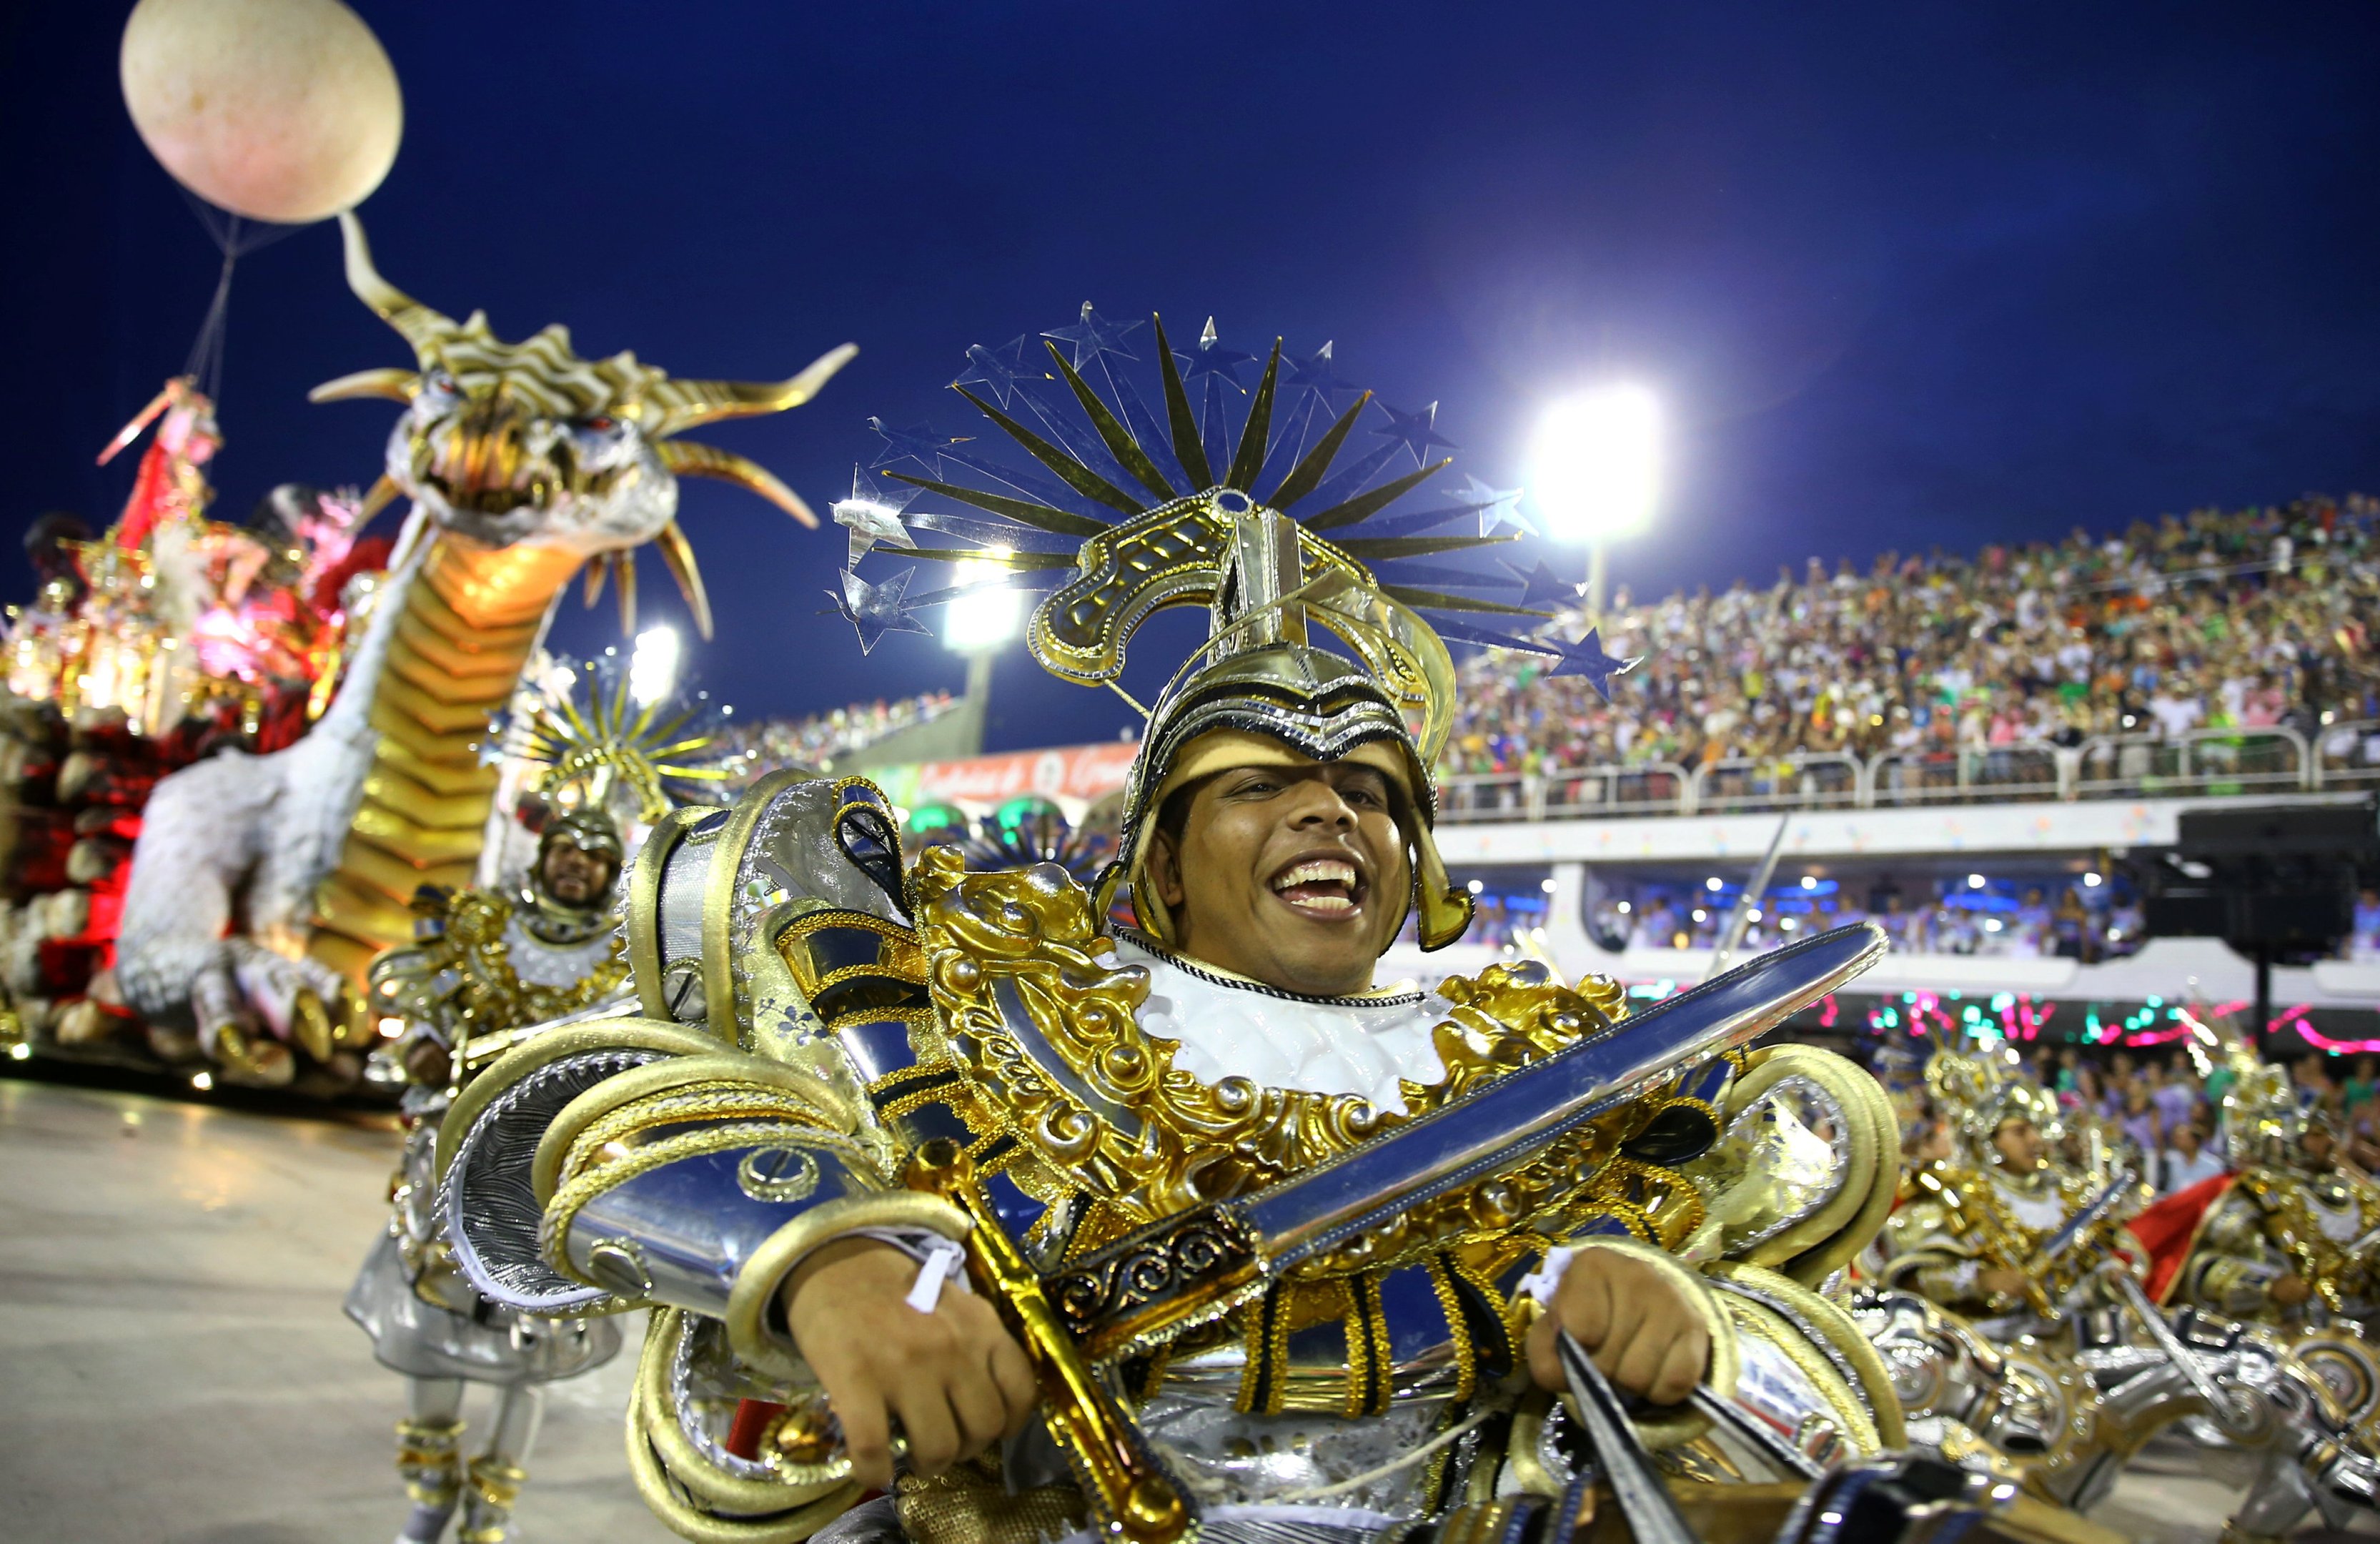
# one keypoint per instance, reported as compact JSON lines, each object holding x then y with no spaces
{"x":601,"y":425}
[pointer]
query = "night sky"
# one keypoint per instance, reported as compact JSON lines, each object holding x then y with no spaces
{"x":1902,"y":274}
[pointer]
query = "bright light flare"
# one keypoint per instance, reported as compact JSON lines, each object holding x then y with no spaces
{"x":652,"y":669}
{"x":1596,"y":464}
{"x":990,"y":617}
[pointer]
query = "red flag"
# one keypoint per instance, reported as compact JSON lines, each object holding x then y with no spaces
{"x":2168,"y":1227}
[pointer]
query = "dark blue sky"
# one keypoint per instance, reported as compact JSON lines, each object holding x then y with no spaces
{"x":1901,"y":273}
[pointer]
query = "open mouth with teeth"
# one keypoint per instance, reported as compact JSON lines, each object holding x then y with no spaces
{"x":488,"y":471}
{"x":1326,"y":889}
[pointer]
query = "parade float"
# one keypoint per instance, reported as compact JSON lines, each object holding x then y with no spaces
{"x":233,"y":754}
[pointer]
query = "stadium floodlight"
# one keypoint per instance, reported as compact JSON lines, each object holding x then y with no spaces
{"x":980,"y":623}
{"x":1596,"y":470}
{"x":652,"y":669}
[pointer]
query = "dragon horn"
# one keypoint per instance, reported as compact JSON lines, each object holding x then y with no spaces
{"x":395,"y":384}
{"x":415,"y":322}
{"x":682,"y":405}
{"x":689,"y":459}
{"x":677,"y":556}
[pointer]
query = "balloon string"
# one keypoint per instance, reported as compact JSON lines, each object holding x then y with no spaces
{"x":204,"y":368}
{"x":234,"y":237}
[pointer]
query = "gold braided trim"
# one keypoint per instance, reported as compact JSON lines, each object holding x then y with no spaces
{"x":780,"y":1084}
{"x":1367,"y":1328}
{"x":748,"y":1302}
{"x":1458,"y":1326}
{"x":917,"y":1099}
{"x":906,"y":957}
{"x":579,"y":1189}
{"x":557,"y":1045}
{"x":615,"y":1135}
{"x":1264,"y":1353}
{"x":1667,"y":1203}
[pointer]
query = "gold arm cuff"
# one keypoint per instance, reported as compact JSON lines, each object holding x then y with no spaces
{"x":1879,"y":1151}
{"x":1726,"y":1355}
{"x":707,"y":1482}
{"x":756,"y":1285}
{"x":1839,"y":1079}
{"x":611,"y":1034}
{"x":669,"y":1495}
{"x":577,"y":1189}
{"x":657,"y":1078}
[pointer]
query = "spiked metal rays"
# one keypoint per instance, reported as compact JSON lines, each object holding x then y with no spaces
{"x":1106,"y":467}
{"x":585,"y":731}
{"x":542,"y":374}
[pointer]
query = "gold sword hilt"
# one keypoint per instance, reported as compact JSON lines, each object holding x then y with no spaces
{"x":1134,"y":1500}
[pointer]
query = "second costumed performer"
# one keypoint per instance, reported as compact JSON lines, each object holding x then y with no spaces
{"x":944,"y":1186}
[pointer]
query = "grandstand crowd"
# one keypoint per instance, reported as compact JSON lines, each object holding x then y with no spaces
{"x":769,"y":743}
{"x":2245,"y":620}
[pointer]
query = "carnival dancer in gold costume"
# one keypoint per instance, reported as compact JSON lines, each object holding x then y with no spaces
{"x":486,"y":967}
{"x":936,"y":1181}
{"x":2290,"y":1240}
{"x":1999,"y":1232}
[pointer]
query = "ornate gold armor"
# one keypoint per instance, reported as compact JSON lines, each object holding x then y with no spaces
{"x":820,"y":1022}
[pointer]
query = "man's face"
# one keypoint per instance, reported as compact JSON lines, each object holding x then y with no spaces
{"x":574,"y":876}
{"x":2019,"y":1145}
{"x":1294,"y":876}
{"x":2314,"y":1147}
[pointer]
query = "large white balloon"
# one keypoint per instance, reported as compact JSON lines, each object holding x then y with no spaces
{"x":281,"y":110}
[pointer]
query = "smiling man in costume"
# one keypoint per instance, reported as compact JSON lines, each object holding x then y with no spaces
{"x":823,"y":1024}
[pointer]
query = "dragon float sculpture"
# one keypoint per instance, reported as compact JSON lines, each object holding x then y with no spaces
{"x":261,"y":886}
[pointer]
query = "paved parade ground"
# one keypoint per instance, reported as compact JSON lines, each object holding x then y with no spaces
{"x":177,"y":1371}
{"x":176,"y":1366}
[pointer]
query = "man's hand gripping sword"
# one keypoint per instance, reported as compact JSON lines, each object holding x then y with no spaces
{"x":1133,"y":1499}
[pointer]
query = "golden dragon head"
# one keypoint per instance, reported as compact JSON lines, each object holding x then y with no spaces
{"x":505,"y":443}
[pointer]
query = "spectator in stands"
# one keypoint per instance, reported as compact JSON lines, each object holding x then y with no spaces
{"x":2139,"y":1121}
{"x":2174,"y":1094}
{"x":2188,"y":1159}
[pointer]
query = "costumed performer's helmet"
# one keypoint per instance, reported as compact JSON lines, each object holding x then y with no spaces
{"x":1229,"y":516}
{"x":2267,"y":1116}
{"x":1982,"y":1092}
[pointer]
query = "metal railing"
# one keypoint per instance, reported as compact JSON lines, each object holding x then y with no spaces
{"x":2201,"y":762}
{"x":2204,"y":761}
{"x":2348,"y":755}
{"x":1743,"y":784}
{"x":1964,"y":775}
{"x":1592,"y":792}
